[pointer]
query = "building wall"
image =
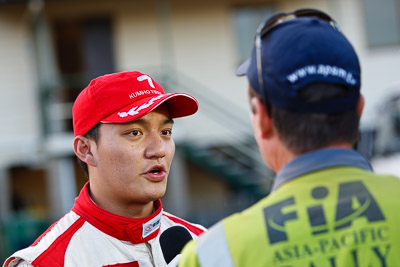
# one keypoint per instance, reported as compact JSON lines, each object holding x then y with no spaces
{"x":379,"y":64}
{"x":19,"y":106}
{"x":195,"y":37}
{"x":204,"y":48}
{"x":195,"y":41}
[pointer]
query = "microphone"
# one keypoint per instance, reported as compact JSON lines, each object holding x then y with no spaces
{"x":172,"y":242}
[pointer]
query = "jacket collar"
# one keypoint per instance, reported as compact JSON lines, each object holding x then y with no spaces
{"x":317,"y":160}
{"x":123,"y":228}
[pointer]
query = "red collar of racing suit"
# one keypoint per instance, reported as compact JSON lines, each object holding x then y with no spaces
{"x":124,"y":228}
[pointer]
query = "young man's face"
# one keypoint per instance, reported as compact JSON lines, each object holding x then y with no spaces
{"x":133,"y":161}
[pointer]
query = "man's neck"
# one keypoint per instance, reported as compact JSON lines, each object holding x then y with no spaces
{"x":128,"y":210}
{"x":283,"y":156}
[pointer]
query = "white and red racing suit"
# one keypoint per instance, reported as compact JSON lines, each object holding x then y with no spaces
{"x":91,"y":236}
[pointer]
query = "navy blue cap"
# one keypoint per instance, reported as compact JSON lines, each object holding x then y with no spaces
{"x":300,"y":52}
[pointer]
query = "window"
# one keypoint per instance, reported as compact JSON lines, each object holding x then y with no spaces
{"x":382,"y":22}
{"x":246,"y":21}
{"x":84,"y":47}
{"x":84,"y":51}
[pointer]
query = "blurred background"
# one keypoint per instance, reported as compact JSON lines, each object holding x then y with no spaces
{"x":50,"y":50}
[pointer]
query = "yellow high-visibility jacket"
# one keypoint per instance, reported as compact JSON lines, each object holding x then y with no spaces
{"x":327,"y":209}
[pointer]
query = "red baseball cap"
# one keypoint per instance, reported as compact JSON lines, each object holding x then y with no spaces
{"x":123,"y":97}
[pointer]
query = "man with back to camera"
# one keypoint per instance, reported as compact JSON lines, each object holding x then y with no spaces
{"x":327,"y":208}
{"x":122,"y":126}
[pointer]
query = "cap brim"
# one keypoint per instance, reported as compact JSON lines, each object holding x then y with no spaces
{"x":179,"y":105}
{"x":242,"y":69}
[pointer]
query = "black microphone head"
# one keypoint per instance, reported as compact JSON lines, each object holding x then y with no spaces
{"x":172,"y":241}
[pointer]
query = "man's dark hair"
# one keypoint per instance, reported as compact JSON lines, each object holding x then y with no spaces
{"x":93,"y":134}
{"x":305,"y":132}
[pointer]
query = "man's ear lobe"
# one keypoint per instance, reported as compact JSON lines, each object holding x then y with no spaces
{"x":83,"y":148}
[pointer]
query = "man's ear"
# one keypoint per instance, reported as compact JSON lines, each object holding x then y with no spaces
{"x":83,"y":148}
{"x":360,"y":105}
{"x":262,"y":122}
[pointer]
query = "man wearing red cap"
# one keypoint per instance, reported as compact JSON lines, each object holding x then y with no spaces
{"x":122,"y":126}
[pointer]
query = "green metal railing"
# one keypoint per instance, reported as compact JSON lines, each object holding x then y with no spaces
{"x":19,"y":230}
